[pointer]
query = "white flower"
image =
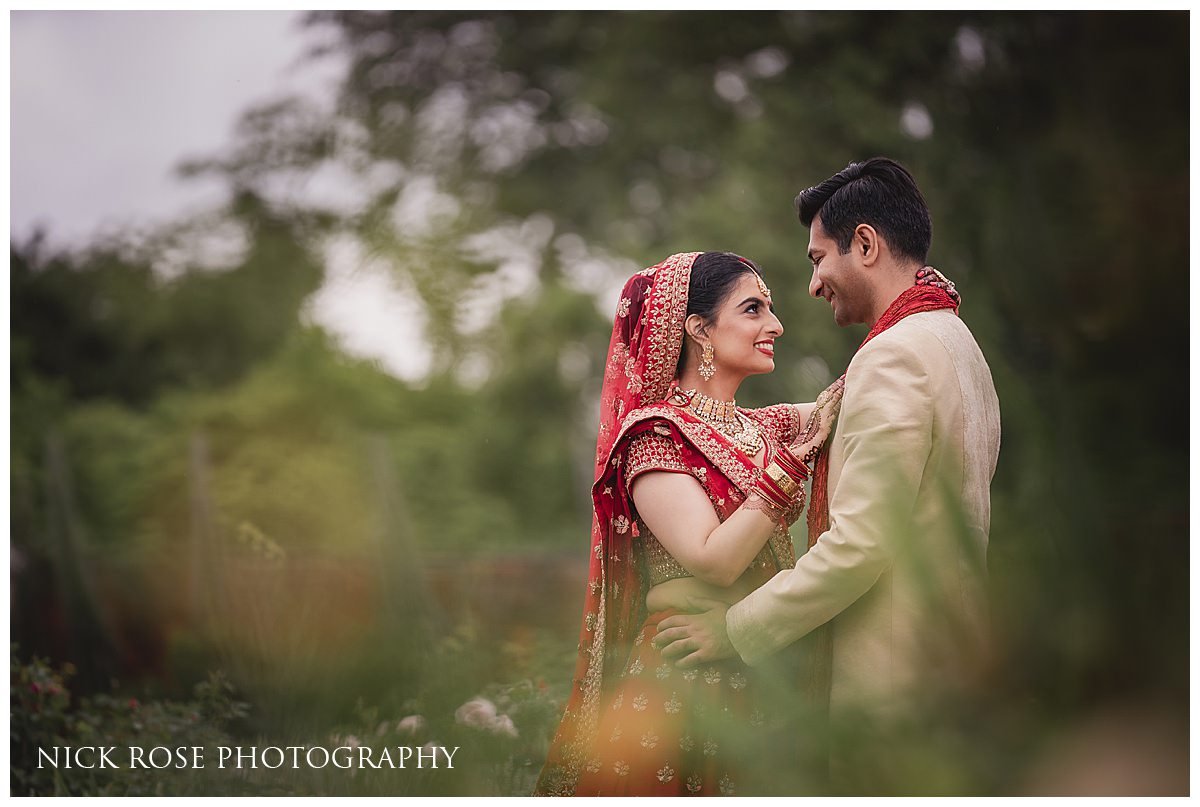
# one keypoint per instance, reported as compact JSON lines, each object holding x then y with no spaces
{"x":502,"y":724}
{"x":480,"y":713}
{"x":412,"y":724}
{"x":352,"y":741}
{"x":477,"y":713}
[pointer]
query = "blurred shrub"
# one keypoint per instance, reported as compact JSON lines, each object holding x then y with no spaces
{"x":43,"y":716}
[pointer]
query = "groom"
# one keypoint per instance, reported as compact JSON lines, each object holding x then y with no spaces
{"x":897,"y":577}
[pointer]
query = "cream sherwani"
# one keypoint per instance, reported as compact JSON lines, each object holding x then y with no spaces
{"x":900,"y":574}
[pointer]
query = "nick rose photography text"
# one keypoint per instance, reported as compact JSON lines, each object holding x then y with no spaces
{"x":271,"y":757}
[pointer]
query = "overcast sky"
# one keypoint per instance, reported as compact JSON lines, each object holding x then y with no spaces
{"x":104,"y":105}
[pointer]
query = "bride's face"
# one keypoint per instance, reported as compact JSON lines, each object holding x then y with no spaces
{"x":744,"y":332}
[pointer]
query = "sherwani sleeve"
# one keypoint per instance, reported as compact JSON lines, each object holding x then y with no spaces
{"x":886,"y":427}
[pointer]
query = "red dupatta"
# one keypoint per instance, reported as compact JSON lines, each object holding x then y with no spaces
{"x":646,"y":342}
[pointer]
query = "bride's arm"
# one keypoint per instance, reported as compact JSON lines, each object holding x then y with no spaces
{"x":677,"y":510}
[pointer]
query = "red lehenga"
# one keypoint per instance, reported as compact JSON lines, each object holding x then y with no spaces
{"x":634,"y":723}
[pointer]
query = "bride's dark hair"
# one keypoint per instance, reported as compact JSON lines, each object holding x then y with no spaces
{"x":714,"y":274}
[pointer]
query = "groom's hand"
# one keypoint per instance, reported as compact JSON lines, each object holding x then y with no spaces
{"x":696,"y":638}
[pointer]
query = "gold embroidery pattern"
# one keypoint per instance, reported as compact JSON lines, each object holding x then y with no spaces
{"x":652,"y":452}
{"x":668,"y":305}
{"x":564,"y":777}
{"x":660,"y":563}
{"x":782,"y":420}
{"x":616,"y":359}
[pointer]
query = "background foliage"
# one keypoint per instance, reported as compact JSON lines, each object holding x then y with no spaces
{"x":201,"y":479}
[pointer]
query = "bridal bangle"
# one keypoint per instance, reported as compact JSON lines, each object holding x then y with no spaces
{"x":782,"y":480}
{"x":793,"y":467}
{"x":781,"y":485}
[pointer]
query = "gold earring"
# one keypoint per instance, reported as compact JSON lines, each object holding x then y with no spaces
{"x":707,"y":368}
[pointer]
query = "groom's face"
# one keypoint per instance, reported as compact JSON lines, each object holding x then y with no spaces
{"x":837,"y":278}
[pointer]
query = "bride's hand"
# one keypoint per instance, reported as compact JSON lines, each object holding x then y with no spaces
{"x":932,"y":277}
{"x":820,"y":423}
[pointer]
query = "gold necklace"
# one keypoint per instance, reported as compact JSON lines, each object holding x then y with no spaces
{"x":725,"y":418}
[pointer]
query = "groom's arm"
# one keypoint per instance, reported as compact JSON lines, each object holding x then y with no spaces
{"x":886,"y":427}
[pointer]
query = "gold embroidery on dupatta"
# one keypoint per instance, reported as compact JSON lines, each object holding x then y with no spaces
{"x":666,"y":324}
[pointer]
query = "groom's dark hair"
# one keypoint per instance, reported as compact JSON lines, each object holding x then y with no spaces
{"x":879,"y":192}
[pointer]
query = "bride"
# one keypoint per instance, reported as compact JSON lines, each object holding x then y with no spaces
{"x":692,"y":500}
